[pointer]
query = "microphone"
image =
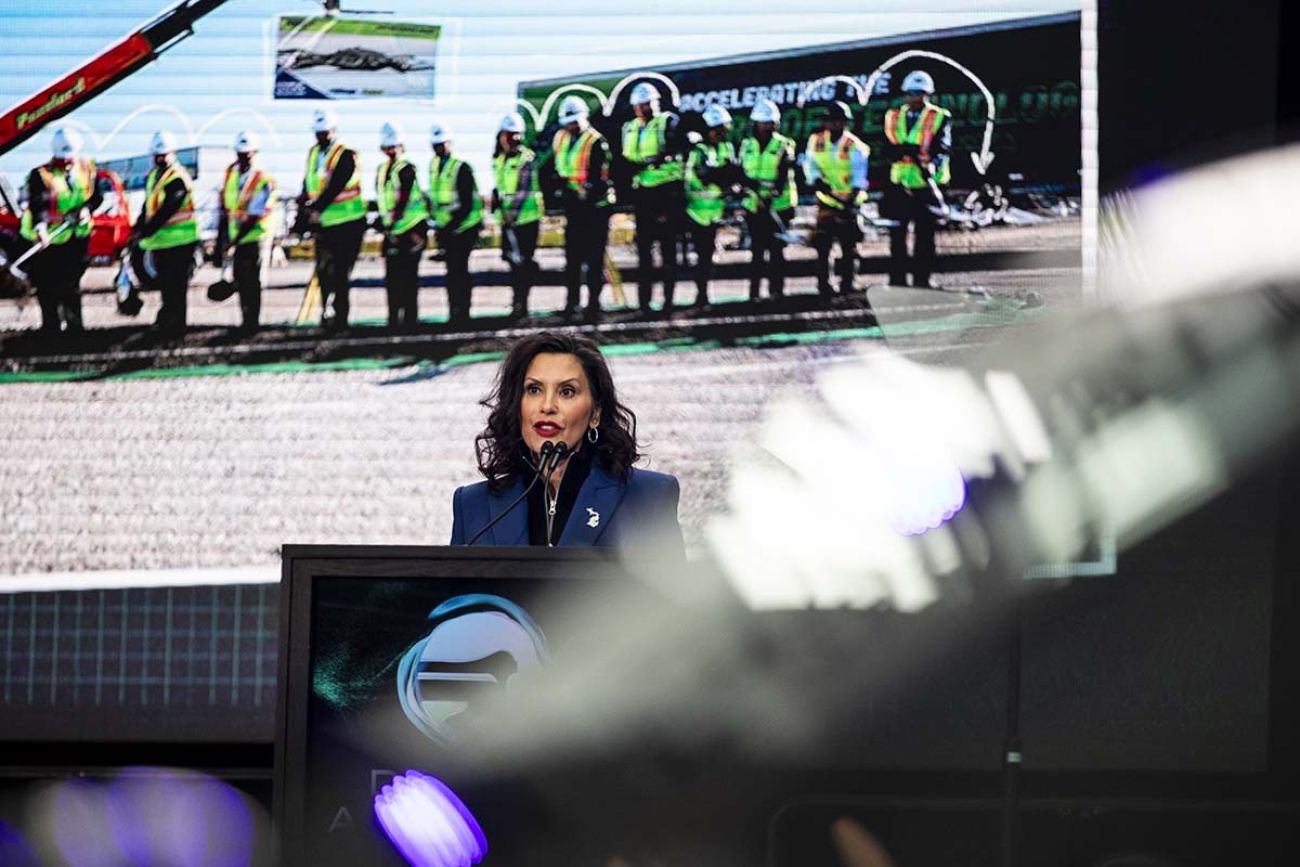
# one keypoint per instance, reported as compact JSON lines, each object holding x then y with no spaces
{"x":561,"y":452}
{"x":548,"y":452}
{"x":558,"y":456}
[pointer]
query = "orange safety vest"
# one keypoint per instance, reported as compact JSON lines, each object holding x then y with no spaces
{"x":907,"y":170}
{"x":573,"y":159}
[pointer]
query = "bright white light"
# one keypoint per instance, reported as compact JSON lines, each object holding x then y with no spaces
{"x":428,"y":823}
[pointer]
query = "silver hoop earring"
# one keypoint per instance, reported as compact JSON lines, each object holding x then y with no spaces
{"x":593,"y":435}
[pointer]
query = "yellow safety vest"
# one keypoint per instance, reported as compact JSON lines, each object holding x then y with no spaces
{"x":387,"y":189}
{"x":645,"y":141}
{"x":761,"y":164}
{"x":70,"y":188}
{"x":506,"y":169}
{"x":182,"y":228}
{"x":834,"y":160}
{"x":236,"y":198}
{"x":704,"y":202}
{"x":347,"y":205}
{"x":907,"y":171}
{"x":442,"y":192}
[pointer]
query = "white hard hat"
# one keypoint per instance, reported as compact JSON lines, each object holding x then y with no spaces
{"x":644,"y":92}
{"x":573,"y":108}
{"x":512,"y":122}
{"x":247,"y":142}
{"x":324,"y":120}
{"x":66,"y":143}
{"x":390,"y":135}
{"x":439,"y":134}
{"x":918,"y":80}
{"x":716,"y":115}
{"x":162,"y":143}
{"x":765,"y":111}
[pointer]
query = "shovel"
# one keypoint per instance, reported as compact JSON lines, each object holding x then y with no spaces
{"x":783,"y":232}
{"x":128,"y":296}
{"x":223,"y":288}
{"x":16,"y":267}
{"x":512,"y":245}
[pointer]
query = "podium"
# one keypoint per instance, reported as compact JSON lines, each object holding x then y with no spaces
{"x":385,"y":654}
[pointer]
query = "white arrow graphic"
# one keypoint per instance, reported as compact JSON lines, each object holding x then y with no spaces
{"x":532,"y":112}
{"x":863,"y":93}
{"x":257,"y":115}
{"x":982,"y":159}
{"x":575,"y":87}
{"x":628,"y":79}
{"x":156,"y":106}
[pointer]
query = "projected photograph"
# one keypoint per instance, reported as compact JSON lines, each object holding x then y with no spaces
{"x":336,"y":58}
{"x":232,"y":321}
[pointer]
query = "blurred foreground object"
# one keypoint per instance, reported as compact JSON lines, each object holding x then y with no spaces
{"x":856,"y":845}
{"x":896,"y":484}
{"x":428,"y":823}
{"x":147,"y":816}
{"x":1224,"y":228}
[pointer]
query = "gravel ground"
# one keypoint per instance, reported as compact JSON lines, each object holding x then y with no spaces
{"x":220,"y":471}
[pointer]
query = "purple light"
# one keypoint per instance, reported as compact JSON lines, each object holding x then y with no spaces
{"x":428,"y":824}
{"x":14,"y":851}
{"x":76,"y":816}
{"x":161,"y":816}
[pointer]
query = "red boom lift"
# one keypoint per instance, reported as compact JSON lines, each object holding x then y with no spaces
{"x":131,"y":54}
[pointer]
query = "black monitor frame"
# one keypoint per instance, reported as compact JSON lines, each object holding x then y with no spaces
{"x":303,"y":564}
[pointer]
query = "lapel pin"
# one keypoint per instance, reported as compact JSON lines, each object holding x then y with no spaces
{"x":593,"y":519}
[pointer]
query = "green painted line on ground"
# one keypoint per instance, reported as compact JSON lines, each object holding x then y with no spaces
{"x":940,"y":325}
{"x":468,"y":358}
{"x":46,"y":376}
{"x":269,"y":367}
{"x":807,"y":337}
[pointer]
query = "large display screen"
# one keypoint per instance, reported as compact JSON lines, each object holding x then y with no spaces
{"x":162,"y":473}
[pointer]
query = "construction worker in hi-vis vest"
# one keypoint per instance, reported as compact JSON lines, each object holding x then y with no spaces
{"x":712,"y":173}
{"x":61,"y":197}
{"x":581,"y":166}
{"x":653,"y":149}
{"x":458,"y":216}
{"x":836,"y":167}
{"x":245,"y":225}
{"x":517,"y":201}
{"x":768,"y":160}
{"x":167,"y":232}
{"x":336,"y":215}
{"x":920,"y":141}
{"x":404,"y":220}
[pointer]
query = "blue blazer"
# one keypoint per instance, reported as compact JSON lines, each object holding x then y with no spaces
{"x":608,"y":512}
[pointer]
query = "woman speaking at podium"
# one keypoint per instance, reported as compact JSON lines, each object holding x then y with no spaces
{"x":558,"y":455}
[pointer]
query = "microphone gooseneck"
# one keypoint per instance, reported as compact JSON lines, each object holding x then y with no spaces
{"x":547,"y":456}
{"x":557,"y":457}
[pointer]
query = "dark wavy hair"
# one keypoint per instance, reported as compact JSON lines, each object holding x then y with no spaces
{"x":500,"y":447}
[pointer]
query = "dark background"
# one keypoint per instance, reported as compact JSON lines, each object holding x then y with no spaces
{"x":1187,"y":83}
{"x":1031,"y":68}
